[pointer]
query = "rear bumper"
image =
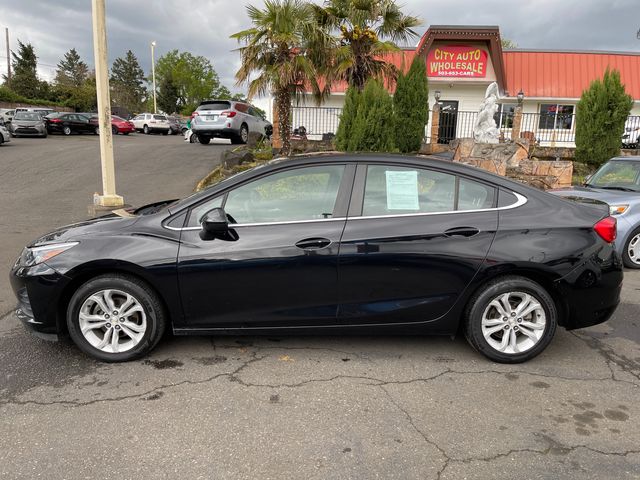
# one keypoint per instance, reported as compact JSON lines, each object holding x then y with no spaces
{"x":218,"y":132}
{"x":591,"y":292}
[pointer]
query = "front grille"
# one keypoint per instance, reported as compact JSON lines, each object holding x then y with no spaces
{"x":27,"y":130}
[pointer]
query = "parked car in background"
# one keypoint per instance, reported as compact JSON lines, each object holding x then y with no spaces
{"x":616,"y":184}
{"x":423,"y":246}
{"x":150,"y":123}
{"x":6,"y":115}
{"x":228,"y":119}
{"x":120,"y":125}
{"x":176,"y":126}
{"x":68,"y":123}
{"x":41,"y":110}
{"x":28,"y":124}
{"x":5,"y":136}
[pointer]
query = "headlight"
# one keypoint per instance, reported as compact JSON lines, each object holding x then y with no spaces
{"x":617,"y":209}
{"x":36,"y":255}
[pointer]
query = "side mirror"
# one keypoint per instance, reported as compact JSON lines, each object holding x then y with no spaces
{"x":215,"y":223}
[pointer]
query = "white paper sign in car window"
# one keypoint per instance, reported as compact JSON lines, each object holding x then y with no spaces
{"x":402,"y":190}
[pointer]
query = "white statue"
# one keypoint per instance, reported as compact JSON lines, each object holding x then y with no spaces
{"x":485,"y":129}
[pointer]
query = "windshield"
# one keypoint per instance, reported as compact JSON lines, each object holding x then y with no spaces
{"x":617,"y":175}
{"x":28,"y":116}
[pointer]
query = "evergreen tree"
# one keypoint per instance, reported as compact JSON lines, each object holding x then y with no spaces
{"x":128,"y":83}
{"x":600,"y":117}
{"x":373,"y":127}
{"x":168,"y":95}
{"x":24,"y":80}
{"x":349,"y":111}
{"x":411,"y":107}
{"x":72,"y":71}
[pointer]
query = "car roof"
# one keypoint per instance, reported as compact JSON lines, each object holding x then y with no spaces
{"x":633,"y":158}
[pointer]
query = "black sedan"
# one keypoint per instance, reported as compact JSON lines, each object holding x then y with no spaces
{"x":330,"y":244}
{"x":68,"y":123}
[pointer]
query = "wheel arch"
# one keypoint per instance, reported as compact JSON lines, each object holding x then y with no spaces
{"x":86,"y":272}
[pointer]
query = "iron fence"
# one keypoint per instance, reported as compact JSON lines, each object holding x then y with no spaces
{"x":631,"y":135}
{"x":455,"y":124}
{"x":549,"y":127}
{"x":320,"y":123}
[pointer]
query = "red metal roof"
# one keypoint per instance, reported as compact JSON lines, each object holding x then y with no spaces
{"x":550,"y":74}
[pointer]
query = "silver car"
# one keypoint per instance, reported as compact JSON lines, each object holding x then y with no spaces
{"x":28,"y":124}
{"x":616,"y":183}
{"x":4,"y":135}
{"x":228,"y":119}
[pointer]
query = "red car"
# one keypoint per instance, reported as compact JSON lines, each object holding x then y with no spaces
{"x":120,"y":125}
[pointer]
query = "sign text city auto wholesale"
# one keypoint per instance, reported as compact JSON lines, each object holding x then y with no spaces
{"x":457,"y":61}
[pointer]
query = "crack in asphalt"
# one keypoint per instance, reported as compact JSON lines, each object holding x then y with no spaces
{"x":627,"y":365}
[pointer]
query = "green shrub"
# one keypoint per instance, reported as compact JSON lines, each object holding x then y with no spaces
{"x":373,"y":126}
{"x":7,"y":95}
{"x":600,"y":117}
{"x":349,"y":111}
{"x":411,"y":107}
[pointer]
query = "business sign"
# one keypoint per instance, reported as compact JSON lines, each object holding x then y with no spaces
{"x":457,"y":61}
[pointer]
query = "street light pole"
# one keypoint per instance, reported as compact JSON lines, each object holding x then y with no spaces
{"x":153,"y":75}
{"x":108,"y":197}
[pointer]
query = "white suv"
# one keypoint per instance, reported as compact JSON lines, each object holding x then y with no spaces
{"x":151,"y":122}
{"x":228,"y":119}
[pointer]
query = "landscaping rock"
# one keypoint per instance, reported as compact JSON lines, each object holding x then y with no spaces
{"x":232,"y":158}
{"x":254,"y":139}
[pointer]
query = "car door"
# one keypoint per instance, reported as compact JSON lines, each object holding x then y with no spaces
{"x":258,"y":124}
{"x":278,"y":267}
{"x":414,"y":239}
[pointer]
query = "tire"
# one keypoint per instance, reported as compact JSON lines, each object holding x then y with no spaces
{"x":244,"y":134}
{"x":165,"y":133}
{"x":125,"y":133}
{"x":114,"y":130}
{"x":630,"y":258}
{"x":66,"y":130}
{"x":146,"y":130}
{"x":541,"y":322}
{"x":96,"y":131}
{"x":193,"y":138}
{"x":44,"y":135}
{"x":204,"y":140}
{"x":149,"y":320}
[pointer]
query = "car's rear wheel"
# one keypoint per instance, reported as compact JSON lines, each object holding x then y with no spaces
{"x":66,"y":130}
{"x":146,"y":130}
{"x":510,"y":320}
{"x":115,"y":318}
{"x":114,"y":130}
{"x":631,"y":252}
{"x":204,"y":140}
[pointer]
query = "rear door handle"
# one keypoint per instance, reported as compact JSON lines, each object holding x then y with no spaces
{"x":313,"y":243}
{"x":461,"y":232}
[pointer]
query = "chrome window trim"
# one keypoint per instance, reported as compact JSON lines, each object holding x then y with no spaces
{"x":521,"y":200}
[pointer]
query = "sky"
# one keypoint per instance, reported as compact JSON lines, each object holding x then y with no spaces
{"x":203,"y":26}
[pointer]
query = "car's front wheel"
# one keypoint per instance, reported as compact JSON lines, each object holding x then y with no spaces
{"x":631,"y":252}
{"x":115,"y":318}
{"x":114,"y":130}
{"x":146,"y":130}
{"x":511,"y":320}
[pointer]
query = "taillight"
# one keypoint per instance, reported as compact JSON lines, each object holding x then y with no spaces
{"x":606,"y":228}
{"x":55,"y":120}
{"x":228,"y":113}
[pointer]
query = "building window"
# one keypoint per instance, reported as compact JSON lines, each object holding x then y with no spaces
{"x":553,"y":116}
{"x":504,"y":115}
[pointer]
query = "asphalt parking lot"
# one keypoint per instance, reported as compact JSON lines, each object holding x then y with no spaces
{"x":290,"y":407}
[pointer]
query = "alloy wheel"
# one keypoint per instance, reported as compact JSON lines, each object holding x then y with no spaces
{"x":244,"y":134}
{"x":112,"y":321}
{"x":513,"y":322}
{"x":633,"y":249}
{"x":66,"y":130}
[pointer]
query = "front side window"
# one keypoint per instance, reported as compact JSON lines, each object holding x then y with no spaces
{"x":553,"y":116}
{"x":392,"y":190}
{"x":308,"y":193}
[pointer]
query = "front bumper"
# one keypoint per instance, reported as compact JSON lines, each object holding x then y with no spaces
{"x":29,"y":131}
{"x":38,"y":290}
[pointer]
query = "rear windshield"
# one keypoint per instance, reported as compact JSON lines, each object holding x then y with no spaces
{"x":215,"y":106}
{"x":159,"y":117}
{"x":28,"y":116}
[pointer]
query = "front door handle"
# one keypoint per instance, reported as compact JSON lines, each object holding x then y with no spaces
{"x":313,"y":243}
{"x":461,"y":232}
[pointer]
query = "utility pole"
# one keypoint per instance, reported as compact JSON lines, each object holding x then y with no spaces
{"x":108,"y":197}
{"x":153,"y":75}
{"x":6,"y":31}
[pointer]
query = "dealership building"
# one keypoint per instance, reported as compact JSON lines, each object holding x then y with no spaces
{"x":462,"y":61}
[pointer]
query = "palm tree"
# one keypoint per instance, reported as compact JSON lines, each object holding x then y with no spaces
{"x":368,"y":30}
{"x":280,"y":56}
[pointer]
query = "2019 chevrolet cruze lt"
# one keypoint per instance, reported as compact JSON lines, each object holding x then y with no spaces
{"x":330,"y":244}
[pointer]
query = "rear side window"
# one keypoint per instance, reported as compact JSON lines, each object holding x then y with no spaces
{"x":242,"y":107}
{"x":392,"y":190}
{"x":159,"y":117}
{"x":215,"y":106}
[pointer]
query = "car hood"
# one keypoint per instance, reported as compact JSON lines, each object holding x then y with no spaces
{"x":610,"y":197}
{"x":101,"y":225}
